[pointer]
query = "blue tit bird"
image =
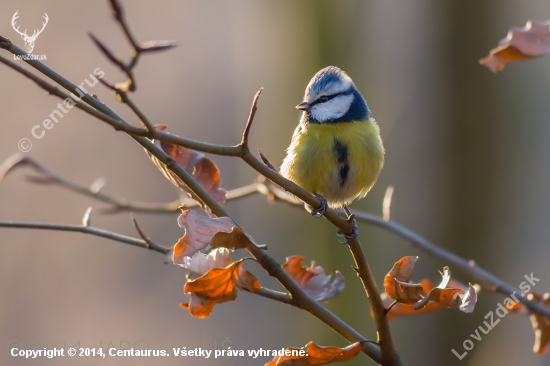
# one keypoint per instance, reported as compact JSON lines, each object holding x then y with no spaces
{"x":336,"y":151}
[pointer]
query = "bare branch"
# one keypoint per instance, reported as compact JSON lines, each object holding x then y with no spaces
{"x":111,"y":56}
{"x":387,"y":347}
{"x":273,"y":295}
{"x":86,"y":230}
{"x":49,"y":177}
{"x":266,"y":161}
{"x":141,"y":116}
{"x":244,"y":141}
{"x":140,"y":232}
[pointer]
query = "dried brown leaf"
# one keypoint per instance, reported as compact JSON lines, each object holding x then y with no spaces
{"x":525,"y":43}
{"x":449,"y":293}
{"x":199,"y":231}
{"x":318,"y":355}
{"x":397,"y":282}
{"x":203,"y":170}
{"x":216,"y":286}
{"x":313,"y":280}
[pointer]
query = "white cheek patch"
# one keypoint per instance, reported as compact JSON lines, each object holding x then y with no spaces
{"x":333,"y":109}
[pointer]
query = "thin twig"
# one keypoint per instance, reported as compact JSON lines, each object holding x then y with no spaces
{"x":118,"y":204}
{"x":266,"y":161}
{"x":117,"y":124}
{"x":273,"y":295}
{"x":87,"y":230}
{"x":244,"y":140}
{"x":139,"y":114}
{"x":141,"y":233}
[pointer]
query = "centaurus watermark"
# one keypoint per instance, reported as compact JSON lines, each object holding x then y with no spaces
{"x":39,"y":131}
{"x":501,"y":312}
{"x":29,"y":40}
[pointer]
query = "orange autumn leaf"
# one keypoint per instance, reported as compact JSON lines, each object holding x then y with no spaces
{"x":203,"y":170}
{"x":397,"y":282}
{"x":316,"y":355}
{"x":525,"y":43}
{"x":199,"y":231}
{"x":399,"y":309}
{"x":216,"y":286}
{"x":313,"y":280}
{"x":413,"y":298}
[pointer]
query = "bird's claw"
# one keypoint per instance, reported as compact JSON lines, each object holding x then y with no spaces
{"x":318,"y":212}
{"x":354,"y":232}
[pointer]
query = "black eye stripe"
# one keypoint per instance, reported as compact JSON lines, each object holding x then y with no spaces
{"x":326,"y":98}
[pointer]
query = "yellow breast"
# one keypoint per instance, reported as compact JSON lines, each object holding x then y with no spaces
{"x":340,"y":161}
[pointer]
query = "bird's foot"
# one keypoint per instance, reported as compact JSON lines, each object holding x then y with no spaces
{"x":318,"y":212}
{"x":354,"y":231}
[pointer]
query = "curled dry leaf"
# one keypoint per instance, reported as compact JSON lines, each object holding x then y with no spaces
{"x":317,"y":355}
{"x":203,"y":170}
{"x":313,"y":280}
{"x":399,"y":288}
{"x":399,"y":309}
{"x":203,"y":234}
{"x":397,"y":282}
{"x":216,"y":286}
{"x":521,"y":44}
{"x":199,"y":231}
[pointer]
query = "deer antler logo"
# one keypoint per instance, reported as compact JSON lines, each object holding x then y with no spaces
{"x":29,"y":40}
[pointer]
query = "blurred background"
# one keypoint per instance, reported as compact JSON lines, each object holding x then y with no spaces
{"x":467,"y":153}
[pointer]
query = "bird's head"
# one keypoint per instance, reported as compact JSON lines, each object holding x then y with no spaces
{"x":332,"y":97}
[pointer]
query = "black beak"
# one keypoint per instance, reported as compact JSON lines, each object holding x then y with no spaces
{"x":304,"y":106}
